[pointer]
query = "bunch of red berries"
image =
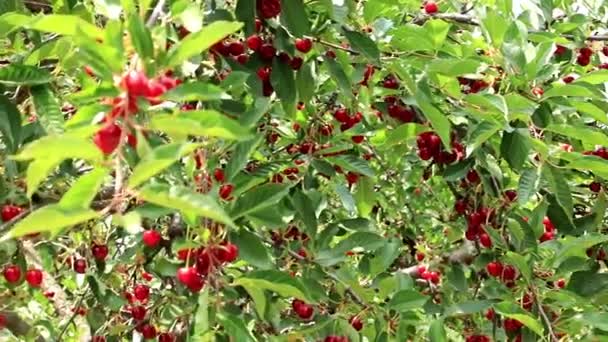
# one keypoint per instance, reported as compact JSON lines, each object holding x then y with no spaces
{"x":430,"y":147}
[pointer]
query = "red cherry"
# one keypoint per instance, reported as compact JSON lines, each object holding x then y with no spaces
{"x":155,"y":90}
{"x":419,"y":256}
{"x":228,"y":252}
{"x":568,"y":79}
{"x":538,"y":91}
{"x":267,"y":52}
{"x":185,"y":254}
{"x":148,"y":331}
{"x":269,"y":8}
{"x":190,"y":277}
{"x":98,"y":338}
{"x":431,"y":7}
{"x":141,"y":292}
{"x":89,"y":71}
{"x":490,"y":314}
{"x":135,"y":83}
{"x":80,"y":266}
{"x":303,"y":45}
{"x":494,"y":268}
{"x":225,"y":191}
{"x":236,"y":48}
{"x":547,"y":236}
{"x":341,"y":115}
{"x":473,"y":177}
{"x":330,"y":54}
{"x":138,"y":312}
{"x":460,"y":206}
{"x":151,"y":238}
{"x":242,"y":59}
{"x":166,"y":337}
{"x":512,"y":325}
{"x":357,"y":139}
{"x":484,"y":240}
{"x":33,"y":277}
{"x":595,"y":187}
{"x":511,"y":195}
{"x":296,"y":63}
{"x":585,"y":51}
{"x":9,"y":212}
{"x":509,"y":273}
{"x":49,"y":294}
{"x":264,"y":73}
{"x":561,"y":283}
{"x":108,"y":138}
{"x":254,"y":42}
{"x":583,"y":60}
{"x":549,"y":227}
{"x":12,"y":273}
{"x":100,"y":252}
{"x":356,"y":323}
{"x":219,"y":176}
{"x":560,"y":50}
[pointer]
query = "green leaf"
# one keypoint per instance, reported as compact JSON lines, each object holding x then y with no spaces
{"x":468,"y":307}
{"x":437,"y":31}
{"x":385,"y":257}
{"x":18,"y":74}
{"x":60,"y":147}
{"x":339,"y":76}
{"x":258,"y":198}
{"x":201,"y":318}
{"x":588,"y":283}
{"x":83,"y":191}
{"x":52,"y":218}
{"x":240,"y":156}
{"x":559,"y":186}
{"x":196,"y":91}
{"x":522,"y":265}
{"x":577,"y":246}
{"x":365,"y":197}
{"x":235,"y":327}
{"x":510,"y":310}
{"x":366,"y":240}
{"x":587,"y":135}
{"x":515,"y":147}
{"x":598,"y":320}
{"x":67,"y":25}
{"x":438,"y":120}
{"x":200,"y":123}
{"x":245,"y":13}
{"x":402,"y":134}
{"x":454,"y":67}
{"x":293,"y":15}
{"x":482,"y":132}
{"x":406,"y":300}
{"x":596,"y":77}
{"x":47,"y":109}
{"x":570,"y":90}
{"x":37,"y":171}
{"x":437,"y":331}
{"x":527,"y":185}
{"x":495,"y":26}
{"x":10,"y":124}
{"x":352,"y":163}
{"x":306,"y":83}
{"x":305,"y":210}
{"x":251,"y":249}
{"x":284,"y":84}
{"x":197,"y":42}
{"x":186,"y":200}
{"x":165,"y":267}
{"x":141,"y":38}
{"x":275,"y":281}
{"x":363,"y":44}
{"x":594,"y":164}
{"x":157,"y":160}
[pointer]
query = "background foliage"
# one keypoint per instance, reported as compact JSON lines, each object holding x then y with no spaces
{"x":386,"y":172}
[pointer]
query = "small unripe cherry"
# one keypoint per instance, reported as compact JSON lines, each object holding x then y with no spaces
{"x":33,"y":277}
{"x":12,"y":273}
{"x":151,"y":238}
{"x":141,"y":292}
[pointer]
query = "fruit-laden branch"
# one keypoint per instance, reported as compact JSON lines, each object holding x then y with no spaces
{"x":60,"y":300}
{"x":465,"y":19}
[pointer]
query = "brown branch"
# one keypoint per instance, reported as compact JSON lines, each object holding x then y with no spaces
{"x":335,"y":46}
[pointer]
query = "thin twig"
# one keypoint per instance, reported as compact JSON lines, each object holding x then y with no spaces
{"x":158,"y":9}
{"x":336,"y":46}
{"x":543,"y":315}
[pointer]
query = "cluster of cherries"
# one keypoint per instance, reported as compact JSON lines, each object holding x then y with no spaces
{"x":12,"y":274}
{"x":141,"y":293}
{"x":206,"y":260}
{"x":583,"y":57}
{"x":472,"y":86}
{"x":396,"y":108}
{"x":506,"y":273}
{"x":303,"y":310}
{"x":136,"y":85}
{"x":348,"y":121}
{"x":205,"y":182}
{"x":430,"y":147}
{"x":334,"y":338}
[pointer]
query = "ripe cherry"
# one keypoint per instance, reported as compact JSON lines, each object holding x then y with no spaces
{"x":547,"y":236}
{"x":296,"y":63}
{"x":264,"y":73}
{"x":190,"y":277}
{"x":490,"y":314}
{"x":135,"y":83}
{"x":538,"y":91}
{"x":225,"y":191}
{"x":511,"y":195}
{"x":98,"y":338}
{"x":484,"y":240}
{"x":228,"y":252}
{"x":419,"y":256}
{"x":561,"y":283}
{"x":512,"y":325}
{"x":356,"y":322}
{"x":267,"y":52}
{"x":138,"y":312}
{"x":431,"y":7}
{"x":509,"y":273}
{"x":166,"y":337}
{"x":254,"y":42}
{"x":148,"y":331}
{"x":494,"y":268}
{"x":33,"y":277}
{"x":151,"y":238}
{"x":352,"y":178}
{"x":141,"y":292}
{"x":334,"y":338}
{"x":595,"y":186}
{"x":236,"y":48}
{"x":100,"y":252}
{"x":108,"y":138}
{"x":10,"y":211}
{"x":269,"y":8}
{"x":357,"y":139}
{"x":302,"y":309}
{"x":303,"y":45}
{"x":12,"y":273}
{"x":80,"y":266}
{"x":219,"y":176}
{"x":473,"y":177}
